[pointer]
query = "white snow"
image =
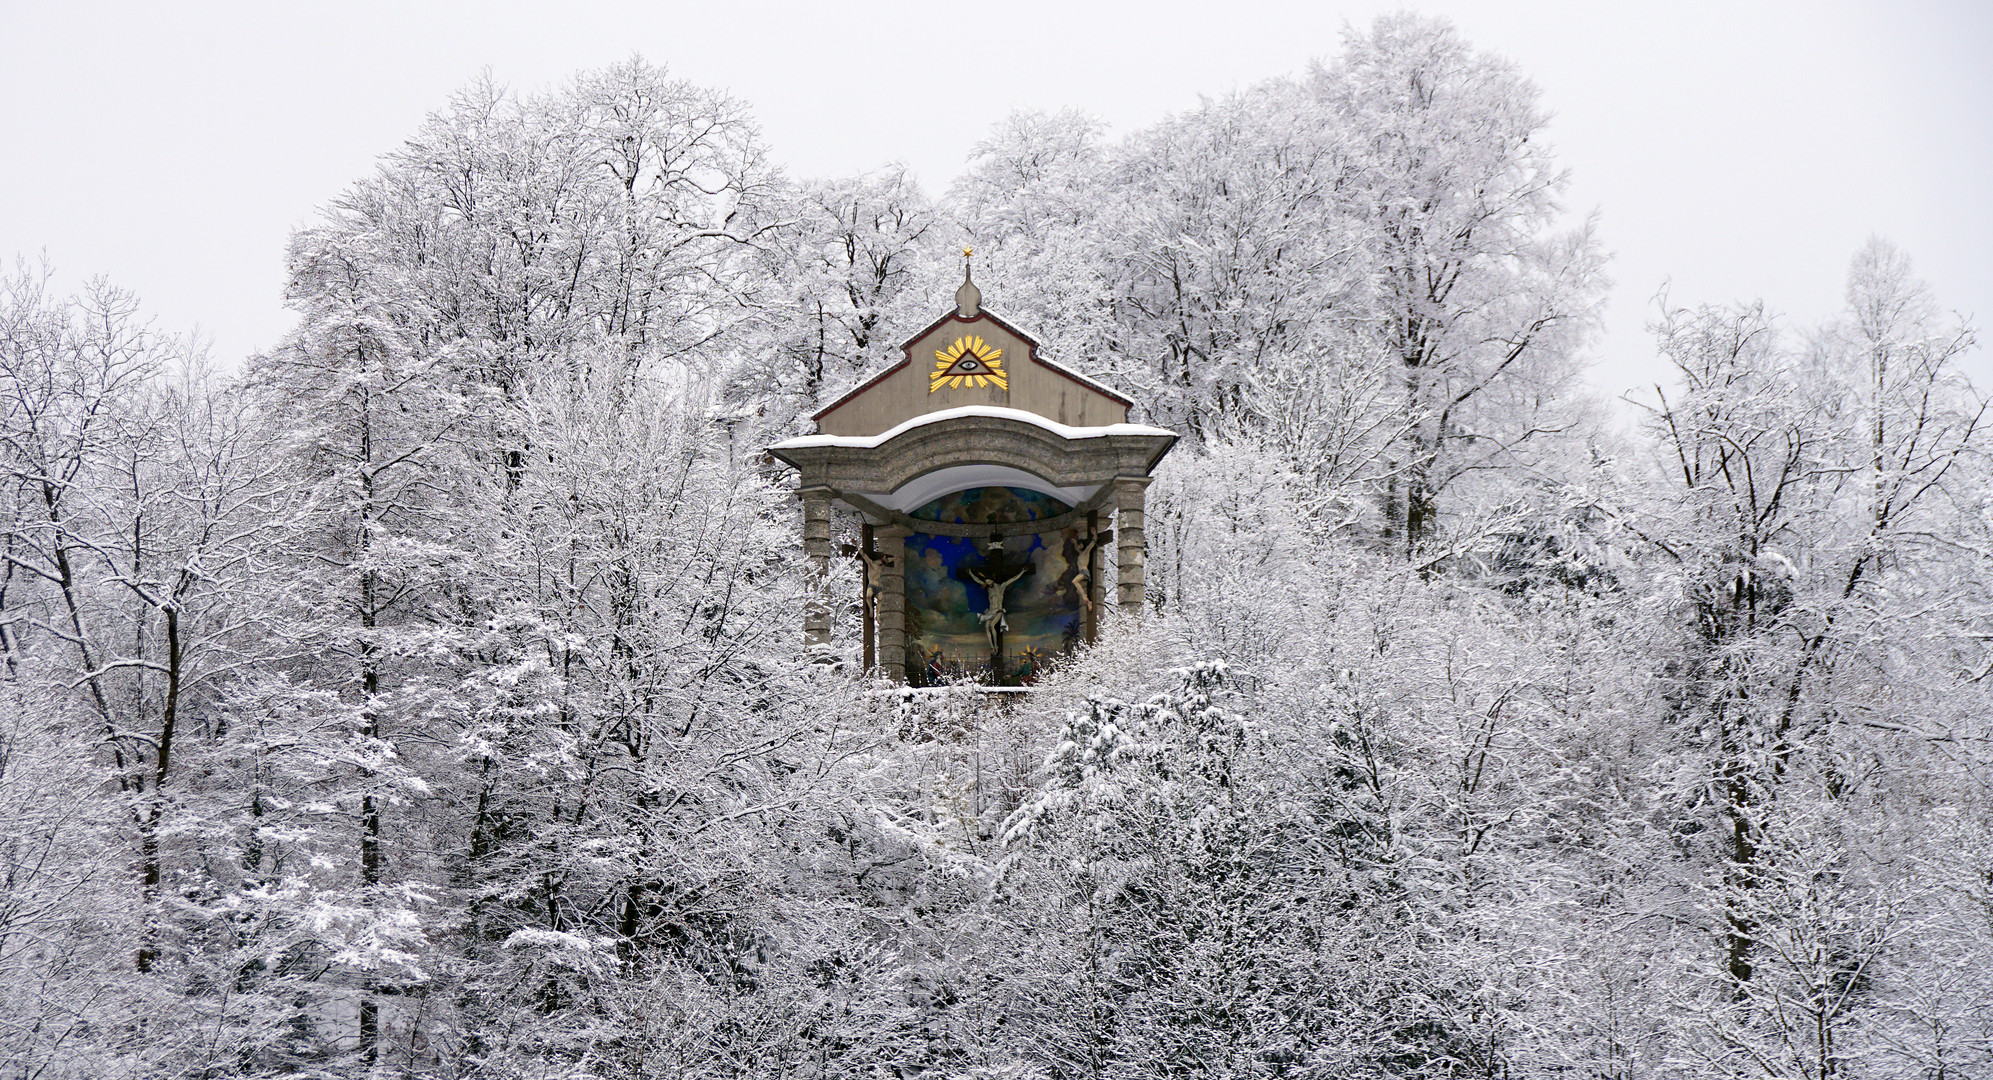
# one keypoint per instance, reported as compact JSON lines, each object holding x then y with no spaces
{"x":1064,"y":431}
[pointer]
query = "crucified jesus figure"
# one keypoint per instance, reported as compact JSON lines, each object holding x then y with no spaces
{"x":994,"y":623}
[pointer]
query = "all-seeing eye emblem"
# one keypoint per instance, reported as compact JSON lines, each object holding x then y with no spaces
{"x":968,"y":362}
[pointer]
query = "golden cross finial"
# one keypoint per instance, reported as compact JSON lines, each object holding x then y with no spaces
{"x":968,"y":298}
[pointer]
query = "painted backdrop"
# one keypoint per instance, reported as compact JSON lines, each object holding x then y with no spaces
{"x":943,"y":604}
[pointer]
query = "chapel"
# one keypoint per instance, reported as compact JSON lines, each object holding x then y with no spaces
{"x":988,"y":483}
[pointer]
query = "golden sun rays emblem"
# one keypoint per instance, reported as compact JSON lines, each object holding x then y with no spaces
{"x":968,"y":362}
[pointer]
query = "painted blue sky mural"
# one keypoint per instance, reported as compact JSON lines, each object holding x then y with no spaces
{"x":946,"y":602}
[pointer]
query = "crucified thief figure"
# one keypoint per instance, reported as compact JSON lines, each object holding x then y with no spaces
{"x":1083,"y":570}
{"x":875,"y":586}
{"x":875,"y":568}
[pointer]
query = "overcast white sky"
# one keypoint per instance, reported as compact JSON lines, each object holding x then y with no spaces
{"x":1742,"y":149}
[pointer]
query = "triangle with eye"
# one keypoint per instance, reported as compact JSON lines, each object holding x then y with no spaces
{"x":969,"y":362}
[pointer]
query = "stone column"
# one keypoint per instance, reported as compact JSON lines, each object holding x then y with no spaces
{"x":892,"y":540}
{"x":1130,"y":546}
{"x":816,"y":569}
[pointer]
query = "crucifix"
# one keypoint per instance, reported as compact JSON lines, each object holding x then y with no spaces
{"x":876,"y":562}
{"x":995,"y":575}
{"x":1086,"y":569}
{"x":1083,"y":570}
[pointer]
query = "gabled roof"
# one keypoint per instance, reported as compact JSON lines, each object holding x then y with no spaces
{"x":906,"y":348}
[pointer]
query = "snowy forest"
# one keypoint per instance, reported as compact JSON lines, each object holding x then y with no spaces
{"x":427,"y":695}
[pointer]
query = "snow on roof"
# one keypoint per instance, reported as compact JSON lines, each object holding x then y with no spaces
{"x":1064,"y":431}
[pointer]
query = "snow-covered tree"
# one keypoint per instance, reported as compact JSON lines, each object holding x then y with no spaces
{"x":1475,"y":293}
{"x":428,"y":700}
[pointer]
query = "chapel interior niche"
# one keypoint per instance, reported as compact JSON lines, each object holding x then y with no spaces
{"x":949,"y":580}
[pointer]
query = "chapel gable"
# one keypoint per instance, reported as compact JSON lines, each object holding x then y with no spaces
{"x":971,"y":358}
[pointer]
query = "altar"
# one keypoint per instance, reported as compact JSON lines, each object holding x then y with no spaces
{"x":989,"y":485}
